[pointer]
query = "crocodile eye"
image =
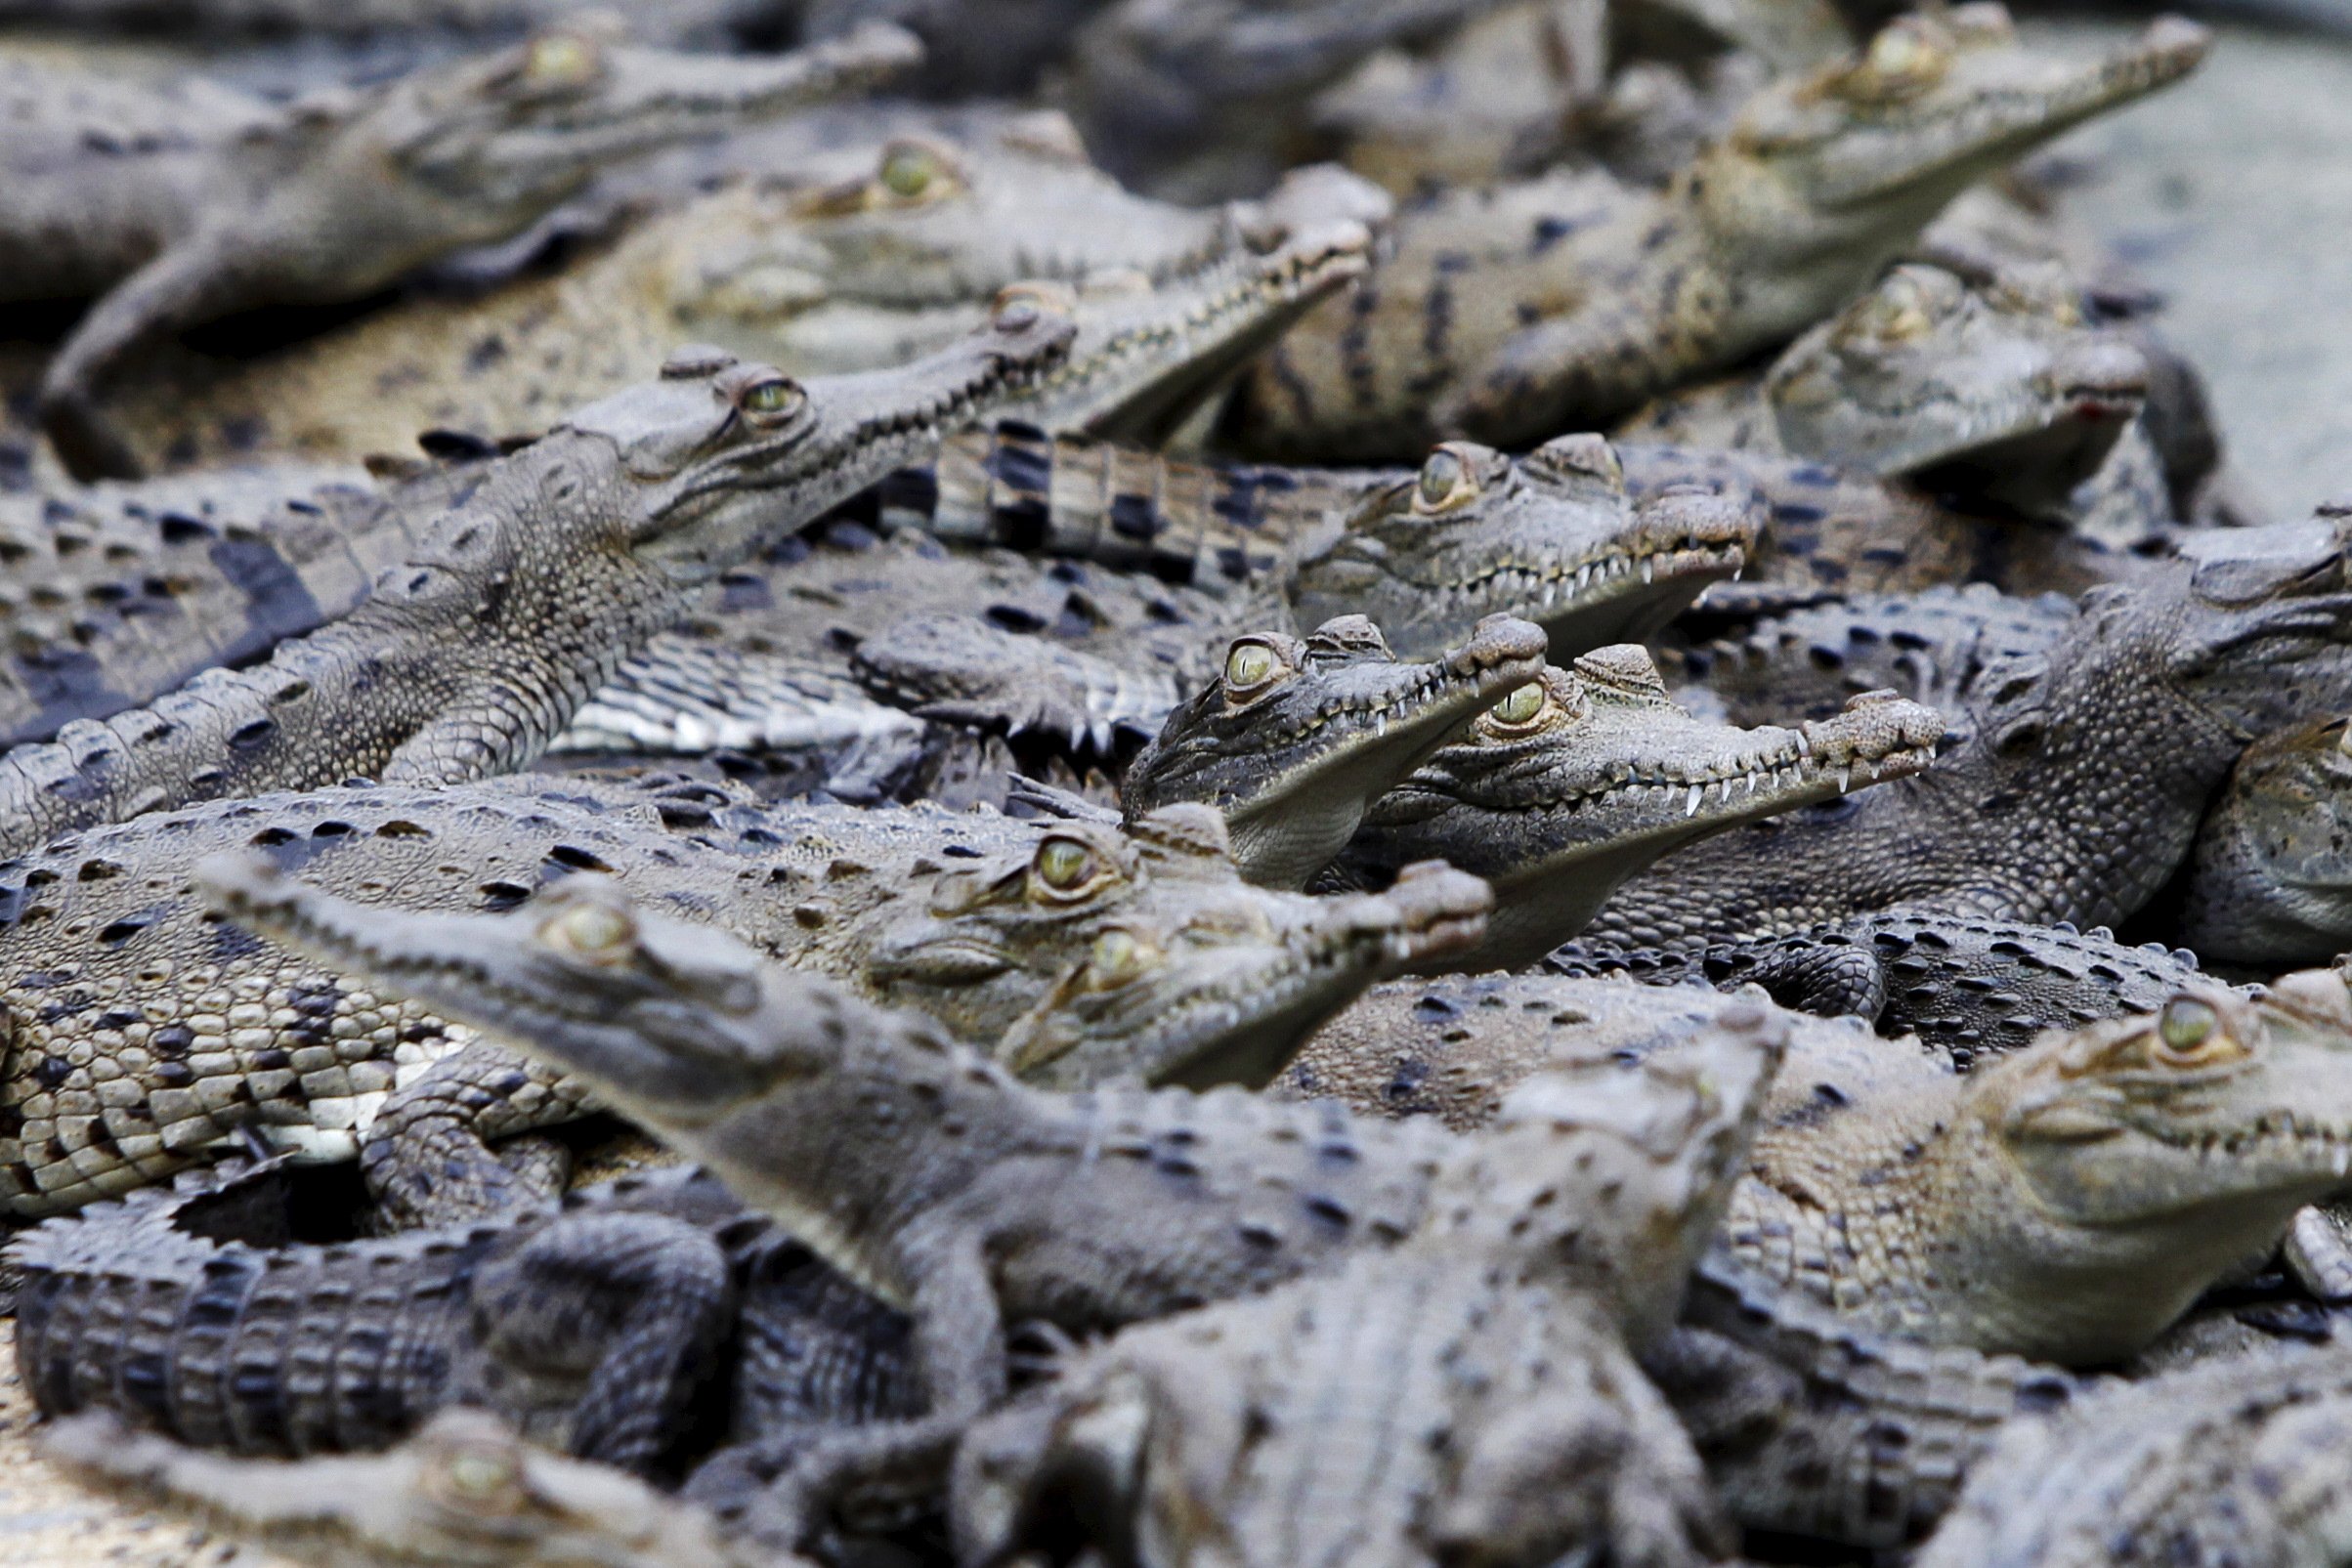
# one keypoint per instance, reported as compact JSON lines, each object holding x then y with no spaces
{"x":1898,"y":313}
{"x":2187,"y":1027}
{"x":1020,"y":306}
{"x":595,"y":931}
{"x":1251,"y":664}
{"x":911,"y":172}
{"x":2343,"y":740}
{"x":1118,"y":957}
{"x":1908,"y":57}
{"x":481,"y":1479}
{"x":773,"y":397}
{"x":1066,"y":865}
{"x":561,"y":60}
{"x":1446,"y":483}
{"x":1522,"y":707}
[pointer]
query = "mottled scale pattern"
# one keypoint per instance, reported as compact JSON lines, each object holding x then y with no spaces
{"x":116,"y":593}
{"x":142,"y":1034}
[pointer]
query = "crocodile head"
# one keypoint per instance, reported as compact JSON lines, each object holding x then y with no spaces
{"x":1568,"y":786}
{"x":1141,"y":951}
{"x":1148,"y":355}
{"x":1928,"y":105}
{"x":2273,"y":876}
{"x":1294,"y":740}
{"x":2256,"y":628}
{"x":1550,"y":537}
{"x":488,"y":143}
{"x":716,"y":451}
{"x":1989,"y":380}
{"x":2126,"y":1166}
{"x":466,"y":1488}
{"x":1657,"y":1143}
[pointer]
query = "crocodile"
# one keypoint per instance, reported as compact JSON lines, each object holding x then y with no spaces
{"x":1295,"y":740}
{"x":2268,"y":882}
{"x":1509,"y":314}
{"x":2086,"y":742}
{"x":1548,"y":538}
{"x":2237,"y":1460}
{"x":897,"y":257}
{"x":1564,"y":789}
{"x":142,"y":1038}
{"x":923,"y":1173}
{"x":207,"y":204}
{"x":1983,"y":381}
{"x":521,"y":601}
{"x":1972,"y":987}
{"x":465,"y":1492}
{"x":1810,"y":1422}
{"x":153,"y":583}
{"x":2071,"y":1200}
{"x":1466,"y":1394}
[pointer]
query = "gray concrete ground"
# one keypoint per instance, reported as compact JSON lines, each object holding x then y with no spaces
{"x":2232,"y":196}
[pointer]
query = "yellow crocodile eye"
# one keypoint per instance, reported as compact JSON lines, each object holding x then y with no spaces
{"x":592,"y":930}
{"x":776,"y":394}
{"x":560,"y":60}
{"x":1064,"y":864}
{"x":482,"y":1475}
{"x":2185,"y":1025}
{"x":1117,"y":958}
{"x":2343,"y":740}
{"x":908,"y":172}
{"x":1520,"y":707}
{"x":1908,"y":57}
{"x":1249,"y":666}
{"x":1446,"y":482}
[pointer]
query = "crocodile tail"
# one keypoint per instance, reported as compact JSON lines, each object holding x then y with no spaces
{"x":1015,"y":486}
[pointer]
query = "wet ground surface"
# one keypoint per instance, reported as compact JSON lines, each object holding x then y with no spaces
{"x":2232,"y":195}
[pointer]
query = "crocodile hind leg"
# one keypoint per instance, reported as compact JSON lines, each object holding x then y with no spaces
{"x":427,"y":1158}
{"x":611,"y":1321}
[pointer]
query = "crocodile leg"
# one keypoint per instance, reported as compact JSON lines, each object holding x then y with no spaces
{"x":428,"y":1159}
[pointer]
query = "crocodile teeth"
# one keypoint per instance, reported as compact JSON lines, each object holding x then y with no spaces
{"x":1649,"y":568}
{"x":1691,"y":805}
{"x":1845,"y":778}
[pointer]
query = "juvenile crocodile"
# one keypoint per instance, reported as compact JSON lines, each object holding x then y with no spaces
{"x":2240,"y":1460}
{"x":1565,"y":788}
{"x":2270,"y":879}
{"x":142,"y":1038}
{"x":777,"y":656}
{"x":521,"y":601}
{"x":1467,"y":1391}
{"x":821,"y":276}
{"x":465,"y":1492}
{"x":1985,"y":382}
{"x":180,"y":213}
{"x":922,"y":1171}
{"x":1508,"y":314}
{"x":2081,"y":761}
{"x":1295,"y":740}
{"x":1810,"y":1423}
{"x":1972,"y":987}
{"x":2070,"y":1201}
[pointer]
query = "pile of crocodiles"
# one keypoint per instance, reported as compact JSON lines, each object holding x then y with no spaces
{"x":1251,"y":783}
